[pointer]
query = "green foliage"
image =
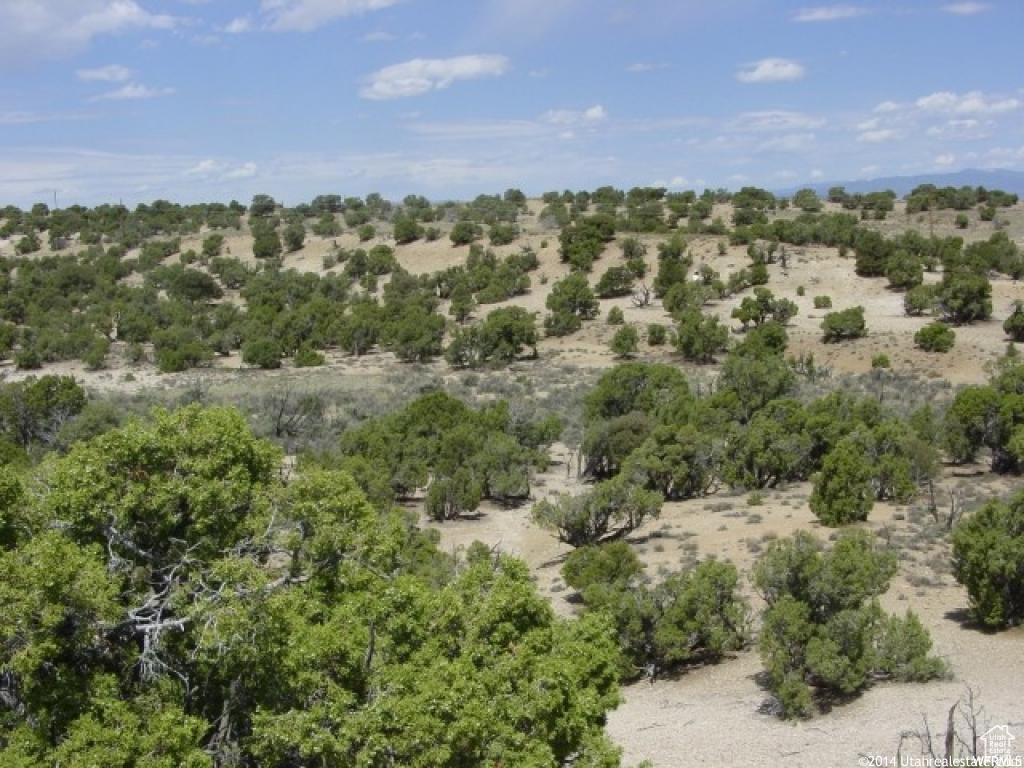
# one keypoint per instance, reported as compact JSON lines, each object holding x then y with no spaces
{"x":1013,"y":326}
{"x":904,"y":270}
{"x":822,"y":302}
{"x":880,"y":362}
{"x":964,"y":296}
{"x":615,"y":316}
{"x":502,"y":337}
{"x":583,"y":241}
{"x":844,"y":325}
{"x":935,"y":337}
{"x":695,"y":616}
{"x":823,"y":632}
{"x":294,"y":236}
{"x":570,"y":302}
{"x":625,"y":342}
{"x":33,"y":411}
{"x":465,"y":232}
{"x":262,"y":352}
{"x":147,"y":592}
{"x":266,"y":242}
{"x":988,"y":559}
{"x":700,"y":337}
{"x":919,"y":300}
{"x":763,"y":307}
{"x":616,"y":281}
{"x":611,"y":509}
{"x":657,"y":334}
{"x":843,"y":491}
{"x":307,"y":357}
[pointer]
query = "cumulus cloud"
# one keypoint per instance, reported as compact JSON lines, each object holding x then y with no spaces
{"x":973,"y":102}
{"x":133,"y":92}
{"x":945,"y":159}
{"x":772,"y":70}
{"x":966,"y":9}
{"x":829,"y":13}
{"x":113,"y":73}
{"x":307,"y":15}
{"x":418,"y":76}
{"x":57,"y":28}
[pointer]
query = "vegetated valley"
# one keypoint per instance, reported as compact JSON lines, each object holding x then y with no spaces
{"x":601,"y":478}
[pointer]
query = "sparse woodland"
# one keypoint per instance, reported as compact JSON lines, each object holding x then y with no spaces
{"x":189,"y":581}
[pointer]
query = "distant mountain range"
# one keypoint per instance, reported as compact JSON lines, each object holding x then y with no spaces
{"x":1008,"y":181}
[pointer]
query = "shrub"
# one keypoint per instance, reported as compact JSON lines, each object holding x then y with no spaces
{"x":843,"y":489}
{"x":465,"y":232}
{"x":961,"y":221}
{"x":904,"y":270}
{"x":988,"y":559}
{"x":308,"y":357}
{"x":616,"y":281}
{"x":1014,"y":324}
{"x":800,"y":290}
{"x":366,"y":232}
{"x":615,"y":316}
{"x":294,"y":236}
{"x":266,"y":243}
{"x":657,"y":334}
{"x":610,"y":509}
{"x":935,"y":337}
{"x":918,"y":300}
{"x":964,"y":296}
{"x":700,"y":337}
{"x":822,"y":302}
{"x":823,"y":630}
{"x":880,"y":361}
{"x":843,"y":325}
{"x":624,"y":343}
{"x":262,"y":352}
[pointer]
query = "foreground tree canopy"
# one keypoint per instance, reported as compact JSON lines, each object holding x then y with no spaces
{"x":168,"y":600}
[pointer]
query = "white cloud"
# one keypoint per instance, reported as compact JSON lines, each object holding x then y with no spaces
{"x":307,"y":15}
{"x":594,"y":114}
{"x":113,"y":73}
{"x":244,"y":171}
{"x":378,"y":37}
{"x":817,"y":173}
{"x":418,"y":76}
{"x":966,"y":9}
{"x":58,"y":28}
{"x":877,"y":137}
{"x":973,"y":102}
{"x":772,"y":70}
{"x":888,"y":106}
{"x":775,"y":120}
{"x":829,"y":13}
{"x":218,"y":170}
{"x":133,"y":92}
{"x":945,"y":159}
{"x":239,"y":25}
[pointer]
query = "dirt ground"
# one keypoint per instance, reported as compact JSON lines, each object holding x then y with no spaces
{"x":711,"y":715}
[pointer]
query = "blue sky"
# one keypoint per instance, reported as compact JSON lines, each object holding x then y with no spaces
{"x":190,"y":100}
